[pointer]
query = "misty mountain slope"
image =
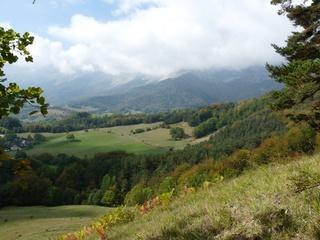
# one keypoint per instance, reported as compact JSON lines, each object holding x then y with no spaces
{"x":189,"y":90}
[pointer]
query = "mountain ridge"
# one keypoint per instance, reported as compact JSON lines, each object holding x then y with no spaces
{"x":128,"y":93}
{"x":188,"y":90}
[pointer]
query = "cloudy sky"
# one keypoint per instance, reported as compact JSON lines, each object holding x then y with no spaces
{"x":155,"y":37}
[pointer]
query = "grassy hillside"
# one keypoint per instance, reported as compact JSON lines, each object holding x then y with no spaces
{"x":45,"y":222}
{"x":257,"y":205}
{"x":109,"y":139}
{"x":89,"y":143}
{"x":260,"y":204}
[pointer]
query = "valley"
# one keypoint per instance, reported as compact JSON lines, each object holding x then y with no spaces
{"x":160,"y":120}
{"x":229,"y":152}
{"x":87,"y":143}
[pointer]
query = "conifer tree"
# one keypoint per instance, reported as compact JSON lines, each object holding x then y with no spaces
{"x":301,"y":72}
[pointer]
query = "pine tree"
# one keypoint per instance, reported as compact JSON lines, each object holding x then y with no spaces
{"x":301,"y":73}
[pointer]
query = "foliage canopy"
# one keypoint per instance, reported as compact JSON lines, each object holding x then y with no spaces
{"x":301,"y":73}
{"x":12,"y":98}
{"x":177,"y":133}
{"x":70,"y":137}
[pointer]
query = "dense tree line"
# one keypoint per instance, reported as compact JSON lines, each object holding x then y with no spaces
{"x":247,"y":133}
{"x":206,"y":119}
{"x":123,"y":178}
{"x":227,"y":114}
{"x":119,"y":177}
{"x":84,"y":120}
{"x":242,"y":133}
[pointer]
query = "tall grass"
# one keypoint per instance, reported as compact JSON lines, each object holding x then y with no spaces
{"x":257,"y":205}
{"x":260,"y":204}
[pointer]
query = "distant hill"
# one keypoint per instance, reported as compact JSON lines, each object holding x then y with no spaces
{"x":138,"y":92}
{"x":187,"y":90}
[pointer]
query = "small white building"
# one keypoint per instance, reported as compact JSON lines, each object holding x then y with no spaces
{"x":15,"y":148}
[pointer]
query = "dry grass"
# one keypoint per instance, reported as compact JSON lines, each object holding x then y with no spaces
{"x":257,"y":205}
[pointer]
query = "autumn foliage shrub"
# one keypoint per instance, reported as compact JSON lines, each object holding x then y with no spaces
{"x":120,"y":215}
{"x":271,"y":149}
{"x":301,"y":139}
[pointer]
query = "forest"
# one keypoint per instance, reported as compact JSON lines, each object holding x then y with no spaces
{"x":247,"y":142}
{"x":243,"y":134}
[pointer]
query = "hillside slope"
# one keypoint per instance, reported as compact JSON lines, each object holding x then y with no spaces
{"x":257,"y":205}
{"x":188,"y":90}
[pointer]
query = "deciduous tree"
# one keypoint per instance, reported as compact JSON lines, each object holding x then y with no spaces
{"x":39,"y":137}
{"x":12,"y":98}
{"x":70,"y":137}
{"x":176,"y":133}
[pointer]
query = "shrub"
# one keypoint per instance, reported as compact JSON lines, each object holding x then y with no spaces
{"x":176,"y":133}
{"x":138,"y":195}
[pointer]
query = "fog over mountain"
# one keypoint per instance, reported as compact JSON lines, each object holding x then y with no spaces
{"x":183,"y":89}
{"x":152,"y":37}
{"x":181,"y":53}
{"x":189,"y":89}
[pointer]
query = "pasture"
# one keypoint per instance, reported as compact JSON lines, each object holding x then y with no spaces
{"x":38,"y":222}
{"x":88,"y":143}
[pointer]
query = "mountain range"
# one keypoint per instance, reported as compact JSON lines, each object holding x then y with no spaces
{"x":131,"y":93}
{"x":189,"y":89}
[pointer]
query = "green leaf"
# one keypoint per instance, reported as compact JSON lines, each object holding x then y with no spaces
{"x":33,"y":112}
{"x":23,"y":184}
{"x":14,"y":88}
{"x":29,"y":59}
{"x":26,"y":35}
{"x":20,"y":103}
{"x":41,"y":100}
{"x":15,"y":110}
{"x":12,"y":99}
{"x":44,"y":111}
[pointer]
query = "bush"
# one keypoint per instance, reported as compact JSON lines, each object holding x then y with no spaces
{"x":194,"y":181}
{"x":301,"y":140}
{"x":271,"y":149}
{"x":176,"y":133}
{"x":39,"y":137}
{"x":138,"y":195}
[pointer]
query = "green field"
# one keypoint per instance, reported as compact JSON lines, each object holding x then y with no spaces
{"x":109,"y":139}
{"x":45,"y":222}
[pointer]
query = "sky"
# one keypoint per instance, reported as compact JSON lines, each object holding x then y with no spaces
{"x":153,"y":37}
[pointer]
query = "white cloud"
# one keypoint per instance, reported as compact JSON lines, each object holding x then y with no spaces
{"x":164,"y":36}
{"x":126,"y":6}
{"x":5,"y":25}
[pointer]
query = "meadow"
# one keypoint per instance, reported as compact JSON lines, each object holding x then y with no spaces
{"x":87,"y":143}
{"x":37,"y":222}
{"x":260,"y":204}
